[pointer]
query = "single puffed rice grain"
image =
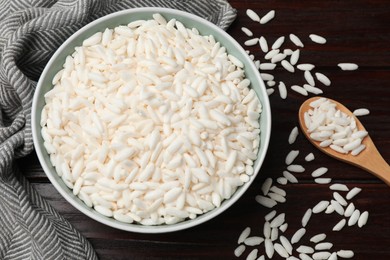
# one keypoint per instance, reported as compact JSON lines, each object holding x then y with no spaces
{"x":293,"y":135}
{"x":363,"y":219}
{"x":247,"y":31}
{"x":306,"y":217}
{"x":353,"y":219}
{"x":268,"y":17}
{"x":263,"y":44}
{"x":348,"y":66}
{"x":244,"y":234}
{"x":290,"y":177}
{"x":239,"y":250}
{"x":299,"y":90}
{"x":298,"y":235}
{"x":305,"y":249}
{"x":278,"y":43}
{"x":252,"y":255}
{"x":321,"y":206}
{"x":339,"y":225}
{"x":280,"y":250}
{"x":266,"y":202}
{"x":309,"y":157}
{"x":345,"y":253}
{"x":286,"y":244}
{"x":295,"y":39}
{"x":322,"y":78}
{"x":321,"y":255}
{"x":361,"y":112}
{"x":352,"y":193}
{"x":317,"y":39}
{"x":254,"y":16}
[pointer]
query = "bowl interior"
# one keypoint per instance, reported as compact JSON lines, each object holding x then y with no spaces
{"x":123,"y":18}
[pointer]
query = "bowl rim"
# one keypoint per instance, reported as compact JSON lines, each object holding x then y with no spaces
{"x":139,"y":228}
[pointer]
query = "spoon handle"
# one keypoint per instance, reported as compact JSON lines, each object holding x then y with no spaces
{"x":373,"y":162}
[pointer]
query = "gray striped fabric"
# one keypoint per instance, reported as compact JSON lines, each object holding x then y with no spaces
{"x":30,"y":32}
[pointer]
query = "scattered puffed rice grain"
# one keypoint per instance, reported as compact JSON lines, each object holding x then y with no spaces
{"x":348,"y":66}
{"x":239,"y":250}
{"x":353,"y":219}
{"x":295,"y":39}
{"x":299,"y":90}
{"x":287,"y":65}
{"x":281,"y":180}
{"x":339,"y":187}
{"x":286,"y":244}
{"x":268,"y":17}
{"x":306,"y":217}
{"x":361,"y":112}
{"x":266,"y":186}
{"x":339,"y":225}
{"x":283,"y":227}
{"x":295,"y":168}
{"x":253,"y":254}
{"x":318,"y":238}
{"x":303,"y":256}
{"x":337,"y":207}
{"x":340,"y":198}
{"x":269,"y":248}
{"x":263,"y":44}
{"x":311,"y":89}
{"x":295,"y":57}
{"x":290,"y":177}
{"x":270,"y":91}
{"x":317,"y":39}
{"x":349,"y":210}
{"x":278,"y":43}
{"x":345,"y":253}
{"x":253,"y":241}
{"x":270,"y":215}
{"x":266,"y":202}
{"x":352,"y":193}
{"x":251,"y":42}
{"x":321,"y":206}
{"x":305,"y":66}
{"x":254,"y":16}
{"x":278,"y":221}
{"x":323,"y":79}
{"x":309,"y":78}
{"x":293,"y":135}
{"x":305,"y":249}
{"x":333,"y":256}
{"x":267,"y":66}
{"x":323,"y":246}
{"x":321,"y":255}
{"x":282,"y":90}
{"x":319,"y":172}
{"x":280,"y":250}
{"x":309,"y":157}
{"x":363,"y":219}
{"x":247,"y":31}
{"x":244,"y":234}
{"x":298,"y":235}
{"x":291,"y":156}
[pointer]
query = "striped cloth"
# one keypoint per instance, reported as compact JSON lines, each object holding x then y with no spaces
{"x":30,"y":32}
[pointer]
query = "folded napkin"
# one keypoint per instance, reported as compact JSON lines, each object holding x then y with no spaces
{"x":30,"y":32}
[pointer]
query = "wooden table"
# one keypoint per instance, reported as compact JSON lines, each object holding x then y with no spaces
{"x":356,"y":31}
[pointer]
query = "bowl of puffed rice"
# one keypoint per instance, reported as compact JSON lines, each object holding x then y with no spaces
{"x":151,"y":120}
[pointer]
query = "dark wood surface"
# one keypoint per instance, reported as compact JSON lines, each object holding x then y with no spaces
{"x":356,"y":31}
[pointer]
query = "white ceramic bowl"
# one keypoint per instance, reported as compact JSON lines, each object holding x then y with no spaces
{"x":124,"y":17}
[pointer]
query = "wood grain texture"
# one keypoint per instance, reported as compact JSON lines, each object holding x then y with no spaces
{"x":356,"y":31}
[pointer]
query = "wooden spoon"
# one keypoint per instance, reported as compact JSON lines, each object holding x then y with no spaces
{"x":369,"y":159}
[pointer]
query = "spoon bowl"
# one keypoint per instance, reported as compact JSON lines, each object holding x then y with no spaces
{"x":369,"y":159}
